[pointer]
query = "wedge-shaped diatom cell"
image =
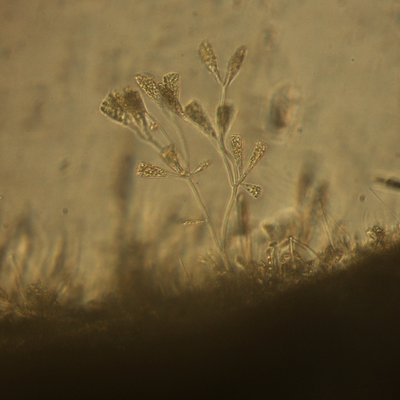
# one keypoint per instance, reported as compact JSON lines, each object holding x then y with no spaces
{"x":171,"y":80}
{"x":133,"y":103}
{"x":194,"y":111}
{"x":148,"y":170}
{"x":252,"y":189}
{"x":112,"y":108}
{"x":164,"y":93}
{"x":235,"y":64}
{"x":149,"y":85}
{"x":169,"y":100}
{"x":124,"y":106}
{"x":201,"y":167}
{"x":237,"y":149}
{"x":209,"y":59}
{"x":225,"y":114}
{"x":257,"y":155}
{"x":170,"y":156}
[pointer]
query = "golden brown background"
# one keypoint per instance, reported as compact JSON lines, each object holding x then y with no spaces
{"x":60,"y":158}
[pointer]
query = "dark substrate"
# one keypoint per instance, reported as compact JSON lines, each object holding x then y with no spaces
{"x":337,"y":337}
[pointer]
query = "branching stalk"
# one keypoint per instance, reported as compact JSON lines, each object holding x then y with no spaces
{"x":206,"y":215}
{"x":227,"y":215}
{"x":127,"y":108}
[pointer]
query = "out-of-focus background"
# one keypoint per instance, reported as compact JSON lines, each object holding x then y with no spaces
{"x":67,"y":170}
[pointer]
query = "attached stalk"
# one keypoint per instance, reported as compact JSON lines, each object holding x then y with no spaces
{"x":196,"y":193}
{"x":227,"y":215}
{"x":227,"y":164}
{"x":203,"y":207}
{"x":224,"y":91}
{"x":233,"y":175}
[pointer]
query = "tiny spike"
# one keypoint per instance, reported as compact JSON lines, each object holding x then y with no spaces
{"x":253,"y":190}
{"x":234,"y":65}
{"x":201,"y":167}
{"x":197,"y":115}
{"x":148,"y":170}
{"x":225,"y":113}
{"x":237,"y":149}
{"x":257,"y":155}
{"x":208,"y":57}
{"x":149,"y":86}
